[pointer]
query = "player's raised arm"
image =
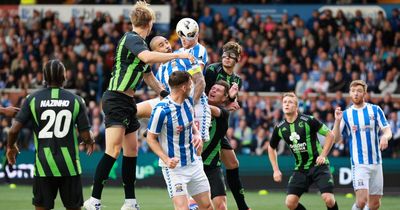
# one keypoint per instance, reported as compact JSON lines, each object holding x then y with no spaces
{"x":199,"y":85}
{"x":158,"y":57}
{"x":336,"y":126}
{"x":151,"y":81}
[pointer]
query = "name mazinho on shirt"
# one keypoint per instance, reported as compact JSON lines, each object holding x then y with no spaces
{"x":54,"y":103}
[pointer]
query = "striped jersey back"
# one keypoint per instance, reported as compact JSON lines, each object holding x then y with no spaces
{"x":361,"y":129}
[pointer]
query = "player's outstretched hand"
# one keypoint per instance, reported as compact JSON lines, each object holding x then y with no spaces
{"x":197,"y":143}
{"x":277,"y":176}
{"x":187,"y":55}
{"x":233,"y":106}
{"x":234,"y":90}
{"x":338,"y":113}
{"x":383,"y":143}
{"x":172,"y":162}
{"x":320,"y":160}
{"x":10,"y":111}
{"x":11,"y":153}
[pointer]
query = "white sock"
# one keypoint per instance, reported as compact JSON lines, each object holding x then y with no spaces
{"x":94,"y":200}
{"x":130,"y":201}
{"x":355,"y":207}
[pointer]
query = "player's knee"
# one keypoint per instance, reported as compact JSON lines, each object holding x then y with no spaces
{"x":362,"y":202}
{"x":219,"y":204}
{"x":329,"y":199}
{"x":113,"y":152}
{"x":205,"y":206}
{"x":231,"y":163}
{"x":374,"y":204}
{"x":291,"y":203}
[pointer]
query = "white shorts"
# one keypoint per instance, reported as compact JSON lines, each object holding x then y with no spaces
{"x":368,"y":177}
{"x":202,"y":117}
{"x":187,"y":180}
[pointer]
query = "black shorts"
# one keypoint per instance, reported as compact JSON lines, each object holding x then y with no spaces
{"x":225,"y":144}
{"x":45,"y":191}
{"x":300,"y":181}
{"x":216,"y":180}
{"x":120,"y":109}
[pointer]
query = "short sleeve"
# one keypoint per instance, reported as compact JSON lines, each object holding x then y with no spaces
{"x":82,"y":119}
{"x":381,"y":118}
{"x":135,"y":44}
{"x":156,"y":120}
{"x":24,"y":115}
{"x":275,"y":138}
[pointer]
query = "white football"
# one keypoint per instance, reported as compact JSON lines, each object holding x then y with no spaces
{"x":187,"y":28}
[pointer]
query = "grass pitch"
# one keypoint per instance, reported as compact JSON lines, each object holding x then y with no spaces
{"x":20,"y":198}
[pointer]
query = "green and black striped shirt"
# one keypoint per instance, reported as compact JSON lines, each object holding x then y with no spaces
{"x":211,"y":149}
{"x":301,"y":137}
{"x":56,"y":114}
{"x":128,"y":68}
{"x":215,"y":72}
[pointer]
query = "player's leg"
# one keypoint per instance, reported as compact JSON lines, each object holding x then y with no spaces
{"x":361,"y":175}
{"x":324,"y":181}
{"x":292,"y":202}
{"x":117,"y":109}
{"x":217,"y":184}
{"x":199,"y":187}
{"x":176,"y":183}
{"x":219,"y":203}
{"x":44,"y":192}
{"x":203,"y":200}
{"x":297,"y":185}
{"x":231,"y":163}
{"x":129,"y":161}
{"x":375,"y":188}
{"x":180,"y":202}
{"x":71,"y":192}
{"x":145,"y":108}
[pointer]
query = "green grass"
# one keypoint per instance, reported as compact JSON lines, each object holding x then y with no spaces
{"x":157,"y":199}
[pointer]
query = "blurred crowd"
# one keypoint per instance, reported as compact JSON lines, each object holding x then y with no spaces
{"x":318,"y":55}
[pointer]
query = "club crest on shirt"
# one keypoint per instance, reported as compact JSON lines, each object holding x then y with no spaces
{"x":371,"y":117}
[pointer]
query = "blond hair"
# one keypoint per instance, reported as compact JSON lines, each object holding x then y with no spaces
{"x":141,"y":14}
{"x":361,"y":83}
{"x":291,"y":95}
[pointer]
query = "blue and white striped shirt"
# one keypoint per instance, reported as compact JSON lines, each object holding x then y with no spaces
{"x":361,"y":128}
{"x":166,"y":69}
{"x":173,"y":123}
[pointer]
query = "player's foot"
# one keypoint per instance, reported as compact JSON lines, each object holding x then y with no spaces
{"x":90,"y":205}
{"x":130,"y":206}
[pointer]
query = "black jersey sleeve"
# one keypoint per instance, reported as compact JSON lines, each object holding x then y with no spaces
{"x":82,"y":120}
{"x":275,"y":138}
{"x":135,"y":44}
{"x":318,"y":126}
{"x":24,"y":115}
